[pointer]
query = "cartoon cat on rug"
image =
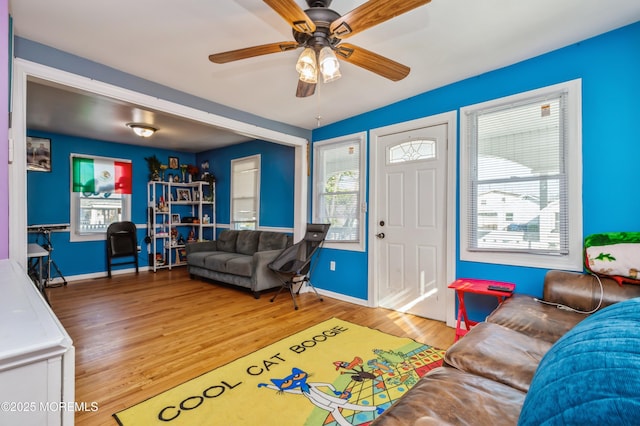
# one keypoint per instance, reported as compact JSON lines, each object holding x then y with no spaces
{"x":296,"y":383}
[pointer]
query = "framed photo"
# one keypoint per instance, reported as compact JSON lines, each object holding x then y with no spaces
{"x":175,"y":218}
{"x":182,"y":255}
{"x":38,"y":154}
{"x":174,"y":163}
{"x":183,"y":194}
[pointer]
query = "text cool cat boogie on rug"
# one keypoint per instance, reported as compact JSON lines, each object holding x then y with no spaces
{"x":172,"y":412}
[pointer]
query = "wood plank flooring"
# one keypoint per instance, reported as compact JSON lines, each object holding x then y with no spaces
{"x":138,"y":335}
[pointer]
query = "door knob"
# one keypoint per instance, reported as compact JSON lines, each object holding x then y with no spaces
{"x":380,"y":235}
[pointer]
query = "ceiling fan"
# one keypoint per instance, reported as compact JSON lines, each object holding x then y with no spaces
{"x":320,"y":30}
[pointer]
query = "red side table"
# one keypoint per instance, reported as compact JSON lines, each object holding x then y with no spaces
{"x":470,"y":285}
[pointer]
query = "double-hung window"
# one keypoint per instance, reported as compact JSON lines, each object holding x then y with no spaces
{"x":245,"y":191}
{"x":338,"y":190}
{"x":100,"y":195}
{"x":521,"y":179}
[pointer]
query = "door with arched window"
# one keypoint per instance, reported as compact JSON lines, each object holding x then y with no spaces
{"x":411,"y":223}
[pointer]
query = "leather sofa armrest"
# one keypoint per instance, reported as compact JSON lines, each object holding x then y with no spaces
{"x":583,"y":292}
{"x":201,"y":246}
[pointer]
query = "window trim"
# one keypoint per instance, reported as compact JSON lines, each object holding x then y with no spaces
{"x":360,"y":139}
{"x":570,"y":261}
{"x":258,"y":159}
{"x":74,"y":203}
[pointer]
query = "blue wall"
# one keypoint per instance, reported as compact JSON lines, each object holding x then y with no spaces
{"x":276,"y":180}
{"x":609,"y":68}
{"x":48,"y":199}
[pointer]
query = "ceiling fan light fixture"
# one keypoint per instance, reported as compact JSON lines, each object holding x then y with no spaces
{"x":329,"y":65}
{"x":307,"y":66}
{"x":142,"y":130}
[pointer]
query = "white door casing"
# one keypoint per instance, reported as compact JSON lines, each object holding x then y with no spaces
{"x":413,"y":204}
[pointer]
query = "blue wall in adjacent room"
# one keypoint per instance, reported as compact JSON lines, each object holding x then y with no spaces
{"x":48,"y":199}
{"x":276,"y":181}
{"x":608,"y":66}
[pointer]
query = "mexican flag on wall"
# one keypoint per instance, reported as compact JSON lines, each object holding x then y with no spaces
{"x":100,"y":175}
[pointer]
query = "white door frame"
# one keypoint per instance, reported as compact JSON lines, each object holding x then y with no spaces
{"x":450,"y":119}
{"x":18,"y":131}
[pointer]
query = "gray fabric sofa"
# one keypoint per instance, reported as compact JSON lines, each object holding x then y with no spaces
{"x":239,"y":258}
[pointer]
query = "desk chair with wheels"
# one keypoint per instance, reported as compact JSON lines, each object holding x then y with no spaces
{"x":293,"y":265}
{"x":122,"y":241}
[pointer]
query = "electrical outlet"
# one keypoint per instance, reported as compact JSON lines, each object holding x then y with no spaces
{"x":332,"y":265}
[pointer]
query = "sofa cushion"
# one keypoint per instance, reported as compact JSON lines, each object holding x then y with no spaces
{"x":582,"y":291}
{"x":592,"y":374}
{"x":247,"y":242}
{"x":227,"y":240}
{"x":272,"y":241}
{"x":240,"y":265}
{"x":197,"y":259}
{"x":217,"y":261}
{"x":524,"y":314}
{"x":498,"y":353}
{"x":449,"y":395}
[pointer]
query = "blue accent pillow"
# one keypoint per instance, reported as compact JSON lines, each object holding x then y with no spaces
{"x":590,"y":376}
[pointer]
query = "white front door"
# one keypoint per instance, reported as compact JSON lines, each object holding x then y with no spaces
{"x":411,"y":225}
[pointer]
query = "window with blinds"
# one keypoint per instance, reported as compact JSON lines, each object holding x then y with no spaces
{"x":245,"y":190}
{"x":338,"y":189}
{"x":517,"y":180}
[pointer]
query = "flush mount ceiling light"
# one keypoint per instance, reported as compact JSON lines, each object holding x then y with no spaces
{"x":142,"y":130}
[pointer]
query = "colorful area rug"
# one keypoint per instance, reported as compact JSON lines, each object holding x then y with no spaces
{"x":334,"y":373}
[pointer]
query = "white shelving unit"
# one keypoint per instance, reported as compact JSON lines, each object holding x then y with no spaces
{"x":178,"y":213}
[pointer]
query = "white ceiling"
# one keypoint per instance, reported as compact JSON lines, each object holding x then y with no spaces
{"x":168,"y":42}
{"x":60,"y":109}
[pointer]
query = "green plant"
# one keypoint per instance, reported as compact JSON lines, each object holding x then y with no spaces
{"x":153,"y":163}
{"x":210,"y":179}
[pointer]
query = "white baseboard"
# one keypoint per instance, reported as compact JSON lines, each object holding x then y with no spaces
{"x":338,"y":296}
{"x":81,"y":277}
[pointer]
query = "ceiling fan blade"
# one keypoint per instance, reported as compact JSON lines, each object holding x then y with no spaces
{"x":250,"y":52}
{"x":293,"y":14}
{"x":371,"y":13}
{"x":372,"y":61}
{"x":305,"y":89}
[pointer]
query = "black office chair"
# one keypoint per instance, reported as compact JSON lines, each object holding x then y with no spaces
{"x":293,"y":265}
{"x":122,"y":241}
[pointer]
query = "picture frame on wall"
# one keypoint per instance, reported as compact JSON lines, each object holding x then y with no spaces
{"x":174,"y":163}
{"x":38,"y":154}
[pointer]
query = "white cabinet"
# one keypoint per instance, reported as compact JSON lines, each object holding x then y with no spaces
{"x":37,"y":357}
{"x":178,"y":213}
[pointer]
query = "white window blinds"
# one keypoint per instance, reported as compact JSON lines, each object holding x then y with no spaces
{"x":517,"y":177}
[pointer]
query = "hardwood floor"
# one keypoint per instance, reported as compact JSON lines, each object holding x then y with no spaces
{"x":138,"y":335}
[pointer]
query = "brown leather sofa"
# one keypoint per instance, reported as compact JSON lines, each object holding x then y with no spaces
{"x":487,"y":373}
